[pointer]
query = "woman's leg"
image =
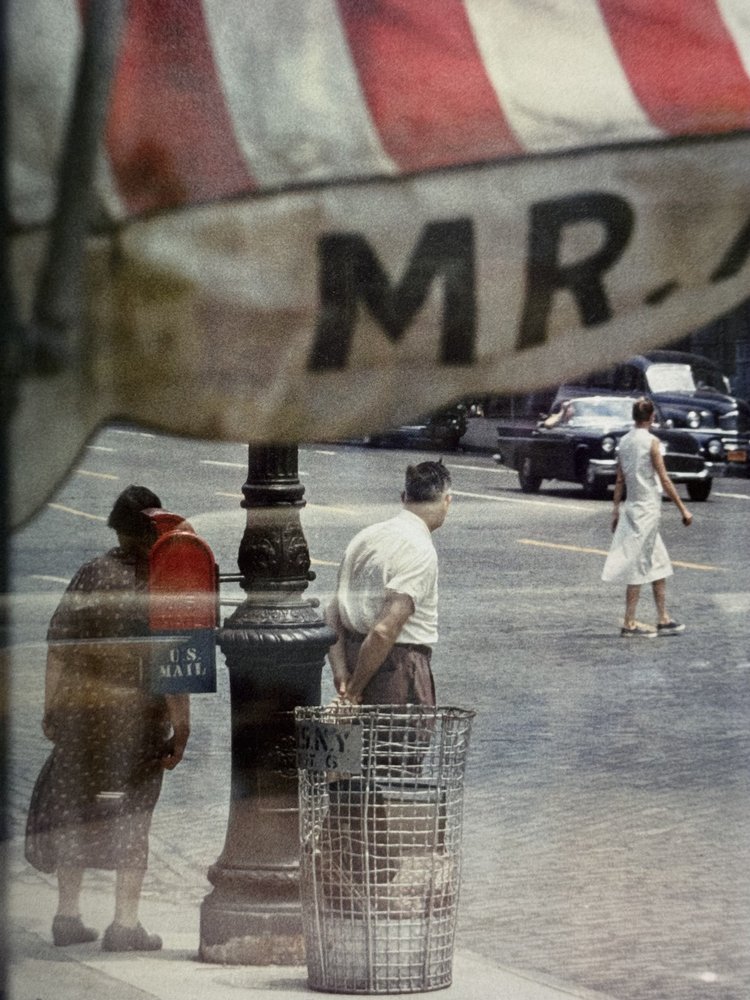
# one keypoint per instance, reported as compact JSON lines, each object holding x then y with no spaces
{"x":67,"y":926}
{"x":125,"y":933}
{"x":660,"y":600}
{"x":128,"y":885}
{"x":632,"y":593}
{"x":69,"y":882}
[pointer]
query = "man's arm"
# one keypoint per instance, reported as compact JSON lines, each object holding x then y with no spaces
{"x":397,"y":609}
{"x":336,"y":655}
{"x":667,"y":484}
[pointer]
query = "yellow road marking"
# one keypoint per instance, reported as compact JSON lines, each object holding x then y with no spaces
{"x":603,"y":552}
{"x":78,"y":513}
{"x":559,"y":545}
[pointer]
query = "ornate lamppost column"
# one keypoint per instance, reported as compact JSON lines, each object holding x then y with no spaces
{"x":275,"y":645}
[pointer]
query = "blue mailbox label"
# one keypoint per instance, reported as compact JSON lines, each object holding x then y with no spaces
{"x":183,"y":662}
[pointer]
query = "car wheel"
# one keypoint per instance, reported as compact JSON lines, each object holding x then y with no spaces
{"x":529,"y":480}
{"x":593,"y":486}
{"x":699,"y":489}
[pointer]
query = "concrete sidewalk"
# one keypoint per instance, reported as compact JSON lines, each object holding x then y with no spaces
{"x":40,"y":971}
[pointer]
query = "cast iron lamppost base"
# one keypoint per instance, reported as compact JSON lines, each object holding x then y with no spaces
{"x":275,"y":645}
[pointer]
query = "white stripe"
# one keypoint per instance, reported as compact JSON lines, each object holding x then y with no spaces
{"x":736,"y":14}
{"x":556,"y":73}
{"x":292,"y":90}
{"x":106,"y":188}
{"x":229,"y":465}
{"x":126,"y":430}
{"x":562,"y":504}
{"x":77,"y":513}
{"x":95,"y":475}
{"x":480,"y":468}
{"x":43,"y":40}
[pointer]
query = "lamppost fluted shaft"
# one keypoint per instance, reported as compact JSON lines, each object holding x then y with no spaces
{"x":275,"y":645}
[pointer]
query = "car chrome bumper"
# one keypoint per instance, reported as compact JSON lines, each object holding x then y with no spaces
{"x":606,"y":469}
{"x":717,"y":469}
{"x":691,"y":477}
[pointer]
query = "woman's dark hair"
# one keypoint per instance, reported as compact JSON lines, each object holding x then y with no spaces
{"x":642,"y":410}
{"x":426,"y":482}
{"x":126,"y":516}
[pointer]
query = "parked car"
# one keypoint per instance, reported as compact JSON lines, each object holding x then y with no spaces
{"x":441,"y":430}
{"x":693,"y":394}
{"x":483,"y":413}
{"x":578,"y":443}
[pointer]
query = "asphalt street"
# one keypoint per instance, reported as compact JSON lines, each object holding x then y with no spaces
{"x":607,"y":807}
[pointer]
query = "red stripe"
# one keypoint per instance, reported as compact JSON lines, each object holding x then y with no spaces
{"x":681,"y":62}
{"x":425,"y":83}
{"x":170,"y":137}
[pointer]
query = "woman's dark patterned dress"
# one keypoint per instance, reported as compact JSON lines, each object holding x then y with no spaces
{"x":108,"y":732}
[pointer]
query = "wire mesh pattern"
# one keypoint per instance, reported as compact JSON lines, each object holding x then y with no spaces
{"x":381,"y":809}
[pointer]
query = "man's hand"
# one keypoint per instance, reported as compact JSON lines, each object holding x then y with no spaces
{"x":397,"y":609}
{"x":178,"y":707}
{"x":174,"y":751}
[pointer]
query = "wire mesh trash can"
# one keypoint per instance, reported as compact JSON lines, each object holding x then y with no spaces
{"x":381,"y":810}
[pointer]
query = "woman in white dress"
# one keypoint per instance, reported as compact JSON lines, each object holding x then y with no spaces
{"x":638,"y":554}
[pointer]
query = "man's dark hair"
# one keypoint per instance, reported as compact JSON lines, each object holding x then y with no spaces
{"x":426,"y":482}
{"x":642,"y":410}
{"x":126,"y":516}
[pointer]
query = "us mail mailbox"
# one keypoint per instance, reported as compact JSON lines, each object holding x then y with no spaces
{"x":166,"y":520}
{"x":183,"y":609}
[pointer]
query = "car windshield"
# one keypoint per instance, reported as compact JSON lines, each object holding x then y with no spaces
{"x":599,"y":409}
{"x":707,"y":378}
{"x":664,"y":377}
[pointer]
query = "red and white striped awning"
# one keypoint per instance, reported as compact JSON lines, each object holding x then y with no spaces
{"x":316,"y":218}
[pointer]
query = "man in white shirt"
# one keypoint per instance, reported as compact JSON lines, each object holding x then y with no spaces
{"x":385,"y":609}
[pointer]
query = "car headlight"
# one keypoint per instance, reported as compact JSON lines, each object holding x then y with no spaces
{"x":608,"y":445}
{"x":693,"y":419}
{"x":714,"y":448}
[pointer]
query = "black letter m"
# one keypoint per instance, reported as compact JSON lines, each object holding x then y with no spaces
{"x":350,"y":272}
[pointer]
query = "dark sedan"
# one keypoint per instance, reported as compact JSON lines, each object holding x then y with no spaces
{"x":578,"y":443}
{"x":691,"y":393}
{"x":441,"y":430}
